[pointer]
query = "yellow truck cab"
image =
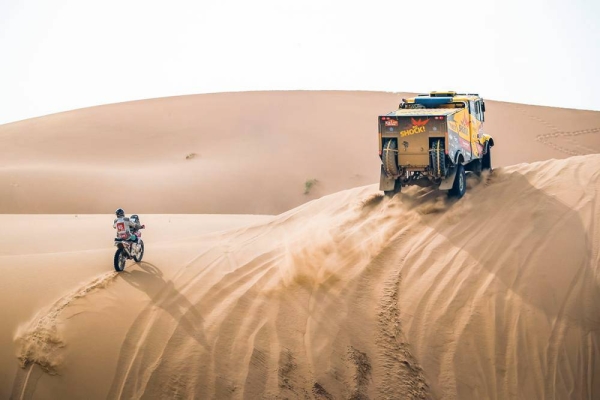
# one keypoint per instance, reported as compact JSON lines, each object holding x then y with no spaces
{"x":433,"y":140}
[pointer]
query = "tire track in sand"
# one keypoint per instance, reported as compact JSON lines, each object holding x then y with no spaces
{"x":194,"y":333}
{"x":403,"y":377}
{"x":40,"y":341}
{"x":547,"y":138}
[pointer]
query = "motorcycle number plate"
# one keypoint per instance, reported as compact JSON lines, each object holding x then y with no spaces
{"x":121,"y":230}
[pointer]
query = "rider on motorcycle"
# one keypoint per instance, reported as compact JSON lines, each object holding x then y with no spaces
{"x":126,"y":227}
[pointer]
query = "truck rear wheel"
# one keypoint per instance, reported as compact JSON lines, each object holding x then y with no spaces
{"x":460,"y":182}
{"x":397,"y":189}
{"x":390,"y":158}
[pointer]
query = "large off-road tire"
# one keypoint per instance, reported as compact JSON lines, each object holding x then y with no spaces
{"x":120,"y":260}
{"x":139,"y":257}
{"x":390,"y":158}
{"x":460,"y":183}
{"x":486,"y":161}
{"x":476,"y":166}
{"x":438,"y":158}
{"x":397,"y":189}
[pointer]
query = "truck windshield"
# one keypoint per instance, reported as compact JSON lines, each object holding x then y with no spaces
{"x":452,"y":105}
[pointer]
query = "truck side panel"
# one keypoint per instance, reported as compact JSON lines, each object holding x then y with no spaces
{"x":476,"y":133}
{"x":459,"y":136}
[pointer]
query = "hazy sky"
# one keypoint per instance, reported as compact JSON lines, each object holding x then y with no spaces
{"x":65,"y":54}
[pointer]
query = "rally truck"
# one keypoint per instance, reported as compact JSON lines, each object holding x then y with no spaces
{"x":434,"y":140}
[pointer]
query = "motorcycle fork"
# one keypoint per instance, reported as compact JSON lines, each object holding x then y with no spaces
{"x":126,"y":249}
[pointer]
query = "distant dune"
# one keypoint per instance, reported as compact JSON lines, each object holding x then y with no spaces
{"x":340,"y":293}
{"x":242,"y":153}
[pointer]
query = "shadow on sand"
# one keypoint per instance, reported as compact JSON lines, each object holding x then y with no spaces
{"x":538,"y":250}
{"x":162,"y":294}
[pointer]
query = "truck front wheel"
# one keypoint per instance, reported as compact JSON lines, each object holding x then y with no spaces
{"x":460,"y":183}
{"x":486,"y":161}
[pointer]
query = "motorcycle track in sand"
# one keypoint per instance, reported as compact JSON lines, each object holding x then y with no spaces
{"x":40,"y":340}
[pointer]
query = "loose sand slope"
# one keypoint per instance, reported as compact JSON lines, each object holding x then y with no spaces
{"x":349,"y":296}
{"x":236,"y":152}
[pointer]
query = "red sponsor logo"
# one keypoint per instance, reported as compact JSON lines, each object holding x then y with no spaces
{"x":419,"y":122}
{"x":391,"y":122}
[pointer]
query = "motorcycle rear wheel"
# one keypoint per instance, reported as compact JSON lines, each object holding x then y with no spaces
{"x":120,"y":260}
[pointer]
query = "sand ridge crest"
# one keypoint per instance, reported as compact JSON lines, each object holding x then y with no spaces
{"x":39,"y":340}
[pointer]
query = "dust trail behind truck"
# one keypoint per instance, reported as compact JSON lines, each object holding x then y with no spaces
{"x":433,"y":140}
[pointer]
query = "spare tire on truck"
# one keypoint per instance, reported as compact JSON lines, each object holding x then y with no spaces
{"x":390,"y":158}
{"x":390,"y":165}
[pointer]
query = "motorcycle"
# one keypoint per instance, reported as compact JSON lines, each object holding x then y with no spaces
{"x":127,"y":250}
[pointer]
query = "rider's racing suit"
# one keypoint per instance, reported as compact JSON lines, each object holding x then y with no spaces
{"x":125,"y":228}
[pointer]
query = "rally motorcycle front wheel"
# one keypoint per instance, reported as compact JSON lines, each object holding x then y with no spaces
{"x":120,"y":259}
{"x":139,"y":256}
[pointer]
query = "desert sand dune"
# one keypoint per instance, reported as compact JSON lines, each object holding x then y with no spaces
{"x":350,"y":296}
{"x":240,"y":153}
